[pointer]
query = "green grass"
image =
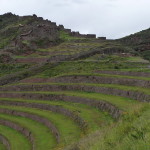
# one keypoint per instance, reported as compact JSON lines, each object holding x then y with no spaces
{"x":2,"y":147}
{"x":16,"y":139}
{"x":131,"y":133}
{"x":115,"y":86}
{"x":92,"y":116}
{"x":69,"y":131}
{"x":137,"y":59}
{"x":11,"y":68}
{"x":90,"y":66}
{"x":121,"y":102}
{"x":105,"y":75}
{"x":43,"y":137}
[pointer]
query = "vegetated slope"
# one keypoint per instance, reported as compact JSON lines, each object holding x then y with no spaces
{"x":18,"y":34}
{"x":83,"y":93}
{"x":140,"y":42}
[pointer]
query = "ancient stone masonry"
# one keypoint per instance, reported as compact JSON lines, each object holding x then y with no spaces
{"x":61,"y":27}
{"x":32,"y":32}
{"x":91,"y":35}
{"x":76,"y":34}
{"x":67,"y":31}
{"x":102,"y":38}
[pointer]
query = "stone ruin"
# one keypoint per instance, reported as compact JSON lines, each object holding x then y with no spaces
{"x":77,"y":34}
{"x":36,"y":30}
{"x":102,"y":38}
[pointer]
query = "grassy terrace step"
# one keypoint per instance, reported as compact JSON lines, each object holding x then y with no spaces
{"x":125,"y":73}
{"x":119,"y":101}
{"x":51,"y":62}
{"x":2,"y":147}
{"x":76,"y":97}
{"x":4,"y":143}
{"x":54,"y":108}
{"x":43,"y":138}
{"x":103,"y":75}
{"x":131,"y":133}
{"x":69,"y":131}
{"x":137,"y":93}
{"x":94,"y":118}
{"x":15,"y":138}
{"x":24,"y":131}
{"x":34,"y":117}
{"x":90,"y":78}
{"x":17,"y":86}
{"x":83,"y":66}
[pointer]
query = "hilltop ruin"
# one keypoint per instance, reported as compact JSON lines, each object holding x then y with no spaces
{"x":32,"y":32}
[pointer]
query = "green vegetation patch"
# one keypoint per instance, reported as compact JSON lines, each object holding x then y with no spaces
{"x":121,"y":102}
{"x":87,"y":67}
{"x":11,"y":68}
{"x":43,"y":137}
{"x":115,"y":86}
{"x":2,"y":147}
{"x":15,"y":138}
{"x":69,"y":131}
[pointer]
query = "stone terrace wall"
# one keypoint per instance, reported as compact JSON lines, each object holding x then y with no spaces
{"x":5,"y":142}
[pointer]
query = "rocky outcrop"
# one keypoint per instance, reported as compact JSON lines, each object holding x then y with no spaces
{"x":25,"y":34}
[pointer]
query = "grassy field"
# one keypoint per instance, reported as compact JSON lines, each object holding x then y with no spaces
{"x":73,"y":97}
{"x":15,"y":138}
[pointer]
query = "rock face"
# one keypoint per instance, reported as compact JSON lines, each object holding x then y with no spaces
{"x":27,"y":32}
{"x":36,"y":33}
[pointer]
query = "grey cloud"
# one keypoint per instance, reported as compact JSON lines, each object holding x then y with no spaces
{"x":111,"y":18}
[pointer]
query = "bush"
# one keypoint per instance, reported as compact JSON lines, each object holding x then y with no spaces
{"x":146,"y":55}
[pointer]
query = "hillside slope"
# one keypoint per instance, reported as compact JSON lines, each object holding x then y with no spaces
{"x":70,"y":91}
{"x":140,"y":42}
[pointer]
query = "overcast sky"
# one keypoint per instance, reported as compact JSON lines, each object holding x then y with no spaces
{"x":110,"y":18}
